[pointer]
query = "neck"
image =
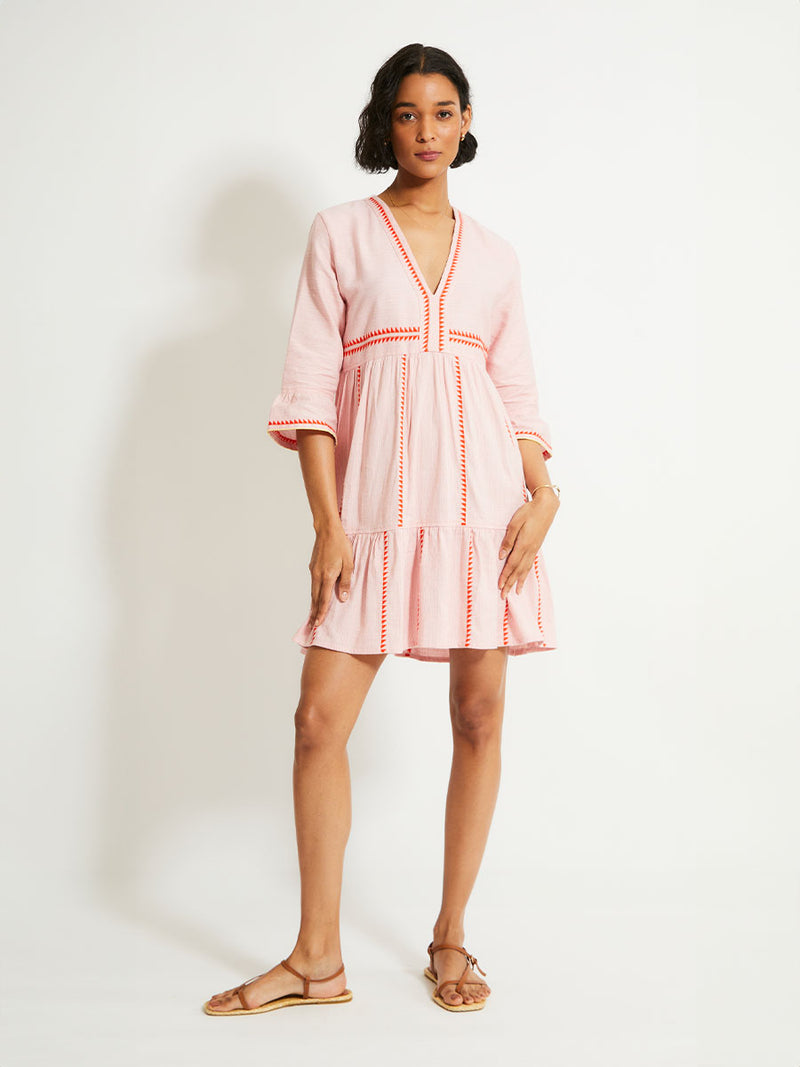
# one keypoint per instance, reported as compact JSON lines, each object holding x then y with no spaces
{"x":427,"y":196}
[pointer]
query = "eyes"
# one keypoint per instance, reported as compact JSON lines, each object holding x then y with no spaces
{"x":402,"y":115}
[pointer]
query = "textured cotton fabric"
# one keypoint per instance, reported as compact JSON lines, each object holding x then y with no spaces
{"x":425,"y":394}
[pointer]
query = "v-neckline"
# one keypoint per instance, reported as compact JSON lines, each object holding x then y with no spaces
{"x":406,"y":247}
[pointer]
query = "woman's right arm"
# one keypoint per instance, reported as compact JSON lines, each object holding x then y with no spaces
{"x":332,"y":557}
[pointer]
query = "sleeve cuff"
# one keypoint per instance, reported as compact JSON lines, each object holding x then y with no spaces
{"x":291,"y":411}
{"x":535,"y":435}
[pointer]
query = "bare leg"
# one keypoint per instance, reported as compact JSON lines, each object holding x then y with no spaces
{"x":333,"y":686}
{"x":477,"y":703}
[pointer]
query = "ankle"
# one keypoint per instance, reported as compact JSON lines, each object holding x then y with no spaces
{"x":323,"y":957}
{"x":450,"y":931}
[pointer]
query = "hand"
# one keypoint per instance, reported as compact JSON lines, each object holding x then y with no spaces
{"x":523,"y":538}
{"x":331,"y":562}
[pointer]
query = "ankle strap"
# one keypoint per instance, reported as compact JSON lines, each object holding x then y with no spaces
{"x":435,"y":948}
{"x":288,"y":966}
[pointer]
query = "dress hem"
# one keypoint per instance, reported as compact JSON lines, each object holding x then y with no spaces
{"x":430,"y":655}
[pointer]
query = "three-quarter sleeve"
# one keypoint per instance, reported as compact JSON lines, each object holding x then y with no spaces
{"x":510,"y":363}
{"x":312,"y":366}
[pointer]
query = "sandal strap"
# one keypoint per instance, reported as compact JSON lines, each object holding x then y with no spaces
{"x":471,"y":960}
{"x":239,"y":991}
{"x":449,"y":981}
{"x":306,"y":980}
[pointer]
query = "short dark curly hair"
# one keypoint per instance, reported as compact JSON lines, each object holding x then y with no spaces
{"x":372,"y":152}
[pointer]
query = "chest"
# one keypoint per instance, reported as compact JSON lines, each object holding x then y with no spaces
{"x":404,"y":288}
{"x":429,"y":246}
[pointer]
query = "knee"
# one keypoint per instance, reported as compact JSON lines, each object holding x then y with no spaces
{"x":315,"y":728}
{"x":476,"y":719}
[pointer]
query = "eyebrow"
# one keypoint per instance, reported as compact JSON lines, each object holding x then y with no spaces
{"x":440,"y":103}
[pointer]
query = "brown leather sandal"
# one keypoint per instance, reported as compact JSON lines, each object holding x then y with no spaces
{"x":429,"y":972}
{"x":285,"y":1001}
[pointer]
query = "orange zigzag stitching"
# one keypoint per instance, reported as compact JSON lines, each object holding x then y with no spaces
{"x":400,"y":450}
{"x":472,"y":339}
{"x":410,"y":265}
{"x":538,"y":593}
{"x":468,"y":637}
{"x":419,"y":574}
{"x":374,"y":337}
{"x":462,"y":445}
{"x":447,"y":283}
{"x":385,"y":580}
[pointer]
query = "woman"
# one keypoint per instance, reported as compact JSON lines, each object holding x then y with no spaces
{"x":409,"y":395}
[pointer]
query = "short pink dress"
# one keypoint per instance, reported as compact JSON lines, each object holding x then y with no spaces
{"x":425,"y":394}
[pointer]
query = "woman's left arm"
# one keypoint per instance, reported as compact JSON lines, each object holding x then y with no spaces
{"x":530,"y":522}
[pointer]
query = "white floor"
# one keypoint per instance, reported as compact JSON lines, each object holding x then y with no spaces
{"x":587,"y":968}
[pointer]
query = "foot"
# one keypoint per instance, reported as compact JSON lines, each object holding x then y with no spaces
{"x":447,"y":964}
{"x":279,"y":982}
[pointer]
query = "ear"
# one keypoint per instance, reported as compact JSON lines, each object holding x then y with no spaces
{"x":466,"y":119}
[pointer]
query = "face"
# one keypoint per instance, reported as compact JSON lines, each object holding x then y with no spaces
{"x":426,"y":119}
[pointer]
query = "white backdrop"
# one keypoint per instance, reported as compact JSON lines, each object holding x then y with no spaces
{"x":638,"y":901}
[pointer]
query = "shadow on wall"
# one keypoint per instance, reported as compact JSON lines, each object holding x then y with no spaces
{"x":208,"y":575}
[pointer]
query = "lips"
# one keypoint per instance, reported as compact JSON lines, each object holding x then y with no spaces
{"x":427,"y":155}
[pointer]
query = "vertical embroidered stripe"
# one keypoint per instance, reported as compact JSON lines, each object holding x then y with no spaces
{"x":402,"y":435}
{"x":461,"y":443}
{"x":384,"y":591}
{"x":419,"y":575}
{"x":538,"y":593}
{"x":468,"y":633}
{"x":447,"y":281}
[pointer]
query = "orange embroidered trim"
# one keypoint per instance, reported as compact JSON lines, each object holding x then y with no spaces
{"x":462,"y":445}
{"x":505,"y":623}
{"x":410,"y":265}
{"x":375,"y":337}
{"x":358,"y":384}
{"x":291,"y":442}
{"x":402,"y":440}
{"x":447,"y":282}
{"x":419,"y":580}
{"x":468,"y":634}
{"x":538,"y":436}
{"x":472,"y":339}
{"x":284,"y":440}
{"x":538,"y":593}
{"x":385,"y":582}
{"x":300,"y":422}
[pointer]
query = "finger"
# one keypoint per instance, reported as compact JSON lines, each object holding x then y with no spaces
{"x":325,"y":597}
{"x":507,"y":573}
{"x":344,"y":583}
{"x":521,"y":576}
{"x":522,"y":573}
{"x":316,"y":587}
{"x":511,"y":578}
{"x":509,"y":538}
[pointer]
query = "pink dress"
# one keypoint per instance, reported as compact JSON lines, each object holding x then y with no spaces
{"x":425,"y":394}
